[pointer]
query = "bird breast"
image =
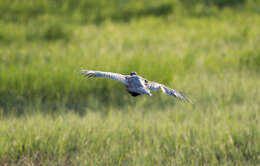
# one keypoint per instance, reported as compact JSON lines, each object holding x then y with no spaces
{"x":135,"y":82}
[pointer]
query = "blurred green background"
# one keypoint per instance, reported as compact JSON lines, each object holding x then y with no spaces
{"x":51,"y":115}
{"x":45,"y":43}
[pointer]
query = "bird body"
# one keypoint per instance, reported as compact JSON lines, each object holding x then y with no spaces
{"x":135,"y":84}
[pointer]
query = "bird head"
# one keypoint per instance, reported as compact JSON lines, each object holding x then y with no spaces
{"x":133,"y":73}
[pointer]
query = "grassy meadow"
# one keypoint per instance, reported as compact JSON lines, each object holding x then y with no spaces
{"x":51,"y":115}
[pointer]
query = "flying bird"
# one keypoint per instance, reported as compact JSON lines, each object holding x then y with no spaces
{"x":136,"y":85}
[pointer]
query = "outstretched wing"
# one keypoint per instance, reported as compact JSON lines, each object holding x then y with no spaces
{"x":114,"y":76}
{"x":179,"y":95}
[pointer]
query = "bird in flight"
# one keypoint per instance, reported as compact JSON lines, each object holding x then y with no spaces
{"x":136,"y":85}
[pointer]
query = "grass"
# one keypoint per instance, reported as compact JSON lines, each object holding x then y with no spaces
{"x":216,"y":133}
{"x":37,"y":71}
{"x":51,"y":115}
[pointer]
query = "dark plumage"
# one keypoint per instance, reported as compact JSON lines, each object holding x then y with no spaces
{"x":133,"y":93}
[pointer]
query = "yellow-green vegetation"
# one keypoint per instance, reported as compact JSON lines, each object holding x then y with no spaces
{"x":51,"y":115}
{"x":182,"y":135}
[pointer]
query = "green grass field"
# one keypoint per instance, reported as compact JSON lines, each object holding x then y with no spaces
{"x":51,"y":115}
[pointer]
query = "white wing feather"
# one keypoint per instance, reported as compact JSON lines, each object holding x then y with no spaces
{"x":179,"y":95}
{"x":114,"y":76}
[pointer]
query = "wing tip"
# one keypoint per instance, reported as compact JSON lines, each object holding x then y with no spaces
{"x":184,"y":97}
{"x":86,"y":73}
